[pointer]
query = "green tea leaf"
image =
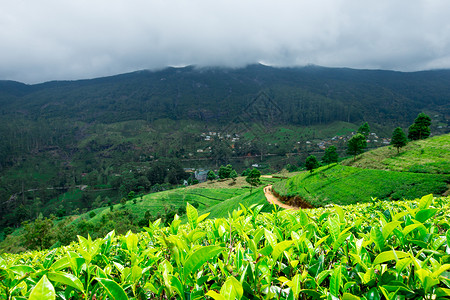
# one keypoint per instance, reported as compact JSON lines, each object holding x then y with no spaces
{"x":280,"y":248}
{"x":215,"y":295}
{"x":348,"y":296}
{"x":424,"y":214}
{"x":377,"y":237}
{"x":336,"y":281}
{"x":389,"y":255}
{"x":192,"y":215}
{"x":342,"y":237}
{"x":389,"y":227}
{"x":195,"y":260}
{"x":202,"y":217}
{"x":270,"y":237}
{"x":296,"y":285}
{"x":43,"y":290}
{"x":442,"y":292}
{"x":340,"y":213}
{"x":426,"y":201}
{"x":60,"y":264}
{"x":232,"y":289}
{"x":178,"y":287}
{"x":132,"y":242}
{"x":21,"y":270}
{"x":448,"y":238}
{"x":67,"y":279}
{"x":410,"y":228}
{"x":334,"y":226}
{"x":304,"y":220}
{"x":114,"y":290}
{"x":442,"y":269}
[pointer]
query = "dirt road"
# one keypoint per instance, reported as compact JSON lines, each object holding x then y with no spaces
{"x":274,"y":200}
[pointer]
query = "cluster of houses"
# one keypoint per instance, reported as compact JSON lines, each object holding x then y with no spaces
{"x":209,"y":136}
{"x":372,"y":141}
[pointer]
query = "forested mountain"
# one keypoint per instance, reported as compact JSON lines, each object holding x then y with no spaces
{"x":306,"y":96}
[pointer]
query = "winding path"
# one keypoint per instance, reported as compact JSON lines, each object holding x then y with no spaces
{"x":274,"y":200}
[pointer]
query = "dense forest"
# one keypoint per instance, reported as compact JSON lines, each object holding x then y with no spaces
{"x":113,"y":134}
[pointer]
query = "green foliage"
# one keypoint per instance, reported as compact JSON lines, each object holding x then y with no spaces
{"x":356,"y":145}
{"x":399,"y":139}
{"x":131,"y":195}
{"x":431,"y":155}
{"x":246,"y":172}
{"x":374,"y":250}
{"x":311,"y":163}
{"x":38,"y":234}
{"x":225,"y":171}
{"x":420,"y":128}
{"x":330,"y":156}
{"x":291,"y":168}
{"x":253,"y":178}
{"x":233,"y":175}
{"x":348,"y":185}
{"x":364,"y":129}
{"x":211,"y":175}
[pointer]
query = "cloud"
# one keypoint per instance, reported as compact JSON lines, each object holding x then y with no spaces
{"x":62,"y":39}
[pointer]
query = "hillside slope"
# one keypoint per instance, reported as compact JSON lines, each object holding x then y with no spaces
{"x":431,"y":155}
{"x":420,"y":169}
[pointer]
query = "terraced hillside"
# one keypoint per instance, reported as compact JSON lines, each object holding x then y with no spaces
{"x":423,"y":167}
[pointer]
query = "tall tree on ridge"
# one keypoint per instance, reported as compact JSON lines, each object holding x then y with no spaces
{"x":419,"y":130}
{"x":399,"y":139}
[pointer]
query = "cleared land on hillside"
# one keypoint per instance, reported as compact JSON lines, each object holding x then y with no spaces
{"x":426,"y":156}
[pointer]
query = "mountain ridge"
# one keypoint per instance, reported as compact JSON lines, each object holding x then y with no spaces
{"x":217,"y":94}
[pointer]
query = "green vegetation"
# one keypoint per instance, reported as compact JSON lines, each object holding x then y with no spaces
{"x":356,"y":145}
{"x":330,"y":156}
{"x":130,"y":214}
{"x":423,"y":156}
{"x":364,"y":129}
{"x":364,"y":251}
{"x":253,"y":178}
{"x":349,"y":185}
{"x":420,"y":128}
{"x":399,"y":139}
{"x":311,"y":163}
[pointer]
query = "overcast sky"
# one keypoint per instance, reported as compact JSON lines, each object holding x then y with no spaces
{"x":43,"y":40}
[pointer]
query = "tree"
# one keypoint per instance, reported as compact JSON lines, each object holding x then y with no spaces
{"x":39,"y":234}
{"x":291,"y":168}
{"x":233,"y":175}
{"x":211,"y":175}
{"x":364,"y":129}
{"x":311,"y":163}
{"x":399,"y":139}
{"x":356,"y":145}
{"x":224,"y":172}
{"x":131,"y":195}
{"x":246,"y":172}
{"x":419,"y":129}
{"x":330,"y":156}
{"x":253,"y":178}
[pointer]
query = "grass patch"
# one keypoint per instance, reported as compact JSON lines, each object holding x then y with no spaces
{"x":425,"y":156}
